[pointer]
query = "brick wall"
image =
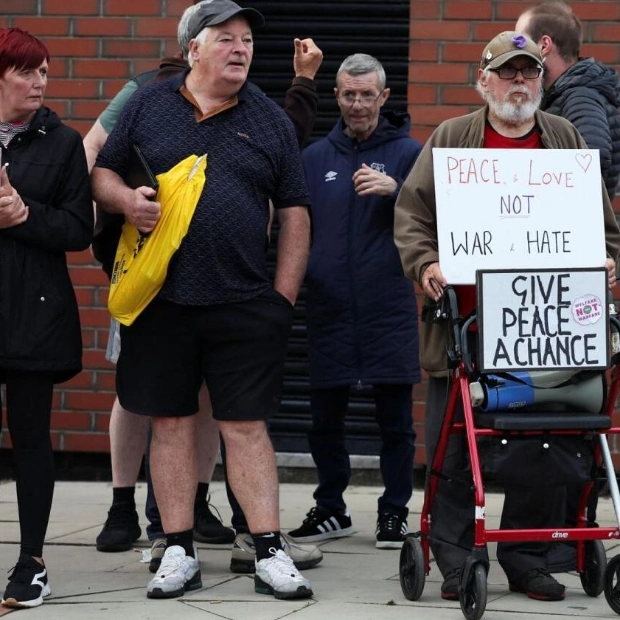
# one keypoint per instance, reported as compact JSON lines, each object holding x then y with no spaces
{"x":447,"y":38}
{"x":97,"y":44}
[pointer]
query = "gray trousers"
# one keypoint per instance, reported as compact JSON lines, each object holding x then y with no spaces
{"x":452,"y":512}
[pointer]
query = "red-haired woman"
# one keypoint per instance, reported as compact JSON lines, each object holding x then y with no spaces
{"x":45,"y":211}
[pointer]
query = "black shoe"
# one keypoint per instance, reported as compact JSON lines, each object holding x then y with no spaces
{"x":321,"y":524}
{"x":120,"y":530}
{"x":539,"y":585}
{"x":450,"y":585}
{"x":208,"y":528}
{"x":391,"y":531}
{"x":27,"y":584}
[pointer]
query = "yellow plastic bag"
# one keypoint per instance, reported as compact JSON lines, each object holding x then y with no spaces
{"x":141,"y":261}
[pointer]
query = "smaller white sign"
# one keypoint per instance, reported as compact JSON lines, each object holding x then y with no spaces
{"x":542,"y":319}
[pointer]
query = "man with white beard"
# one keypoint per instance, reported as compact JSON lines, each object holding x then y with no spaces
{"x":510,"y":82}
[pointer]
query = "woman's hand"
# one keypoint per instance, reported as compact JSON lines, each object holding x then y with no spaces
{"x":13,"y":211}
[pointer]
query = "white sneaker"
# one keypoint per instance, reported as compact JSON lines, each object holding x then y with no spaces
{"x":176,"y":574}
{"x":303,"y":556}
{"x":277,"y":575}
{"x":242,"y":559}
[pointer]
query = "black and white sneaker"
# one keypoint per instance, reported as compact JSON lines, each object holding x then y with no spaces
{"x":321,"y":524}
{"x":391,"y":531}
{"x":27,"y":585}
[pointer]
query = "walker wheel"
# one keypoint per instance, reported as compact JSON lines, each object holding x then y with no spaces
{"x":411,"y":567}
{"x":612,"y":583}
{"x":473,"y":594}
{"x":593,"y":577}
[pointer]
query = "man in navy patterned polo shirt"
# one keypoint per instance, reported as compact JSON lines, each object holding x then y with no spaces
{"x":218,"y":317}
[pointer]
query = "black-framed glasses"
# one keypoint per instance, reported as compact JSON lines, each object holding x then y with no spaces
{"x":349,"y":99}
{"x":507,"y":72}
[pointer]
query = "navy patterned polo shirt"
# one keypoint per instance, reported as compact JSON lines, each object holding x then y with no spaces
{"x":253,"y":157}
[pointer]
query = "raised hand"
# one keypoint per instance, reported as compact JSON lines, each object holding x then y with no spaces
{"x":308,"y":58}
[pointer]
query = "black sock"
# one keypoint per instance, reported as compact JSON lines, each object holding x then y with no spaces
{"x":202,"y":491}
{"x":183,"y":539}
{"x":264,"y":542}
{"x":124,"y":495}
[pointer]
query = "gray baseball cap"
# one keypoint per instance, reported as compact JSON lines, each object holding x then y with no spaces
{"x":219,"y":11}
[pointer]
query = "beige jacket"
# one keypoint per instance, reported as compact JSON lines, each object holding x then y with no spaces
{"x":415,"y":215}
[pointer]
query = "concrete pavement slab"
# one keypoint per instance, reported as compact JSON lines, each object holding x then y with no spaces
{"x":355,"y":580}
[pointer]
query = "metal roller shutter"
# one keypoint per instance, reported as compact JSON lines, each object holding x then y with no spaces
{"x":340,"y":28}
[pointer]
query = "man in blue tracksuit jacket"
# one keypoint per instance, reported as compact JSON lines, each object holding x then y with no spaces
{"x":361,"y":309}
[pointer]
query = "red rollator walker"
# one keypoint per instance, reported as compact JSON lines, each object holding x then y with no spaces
{"x":493,"y":416}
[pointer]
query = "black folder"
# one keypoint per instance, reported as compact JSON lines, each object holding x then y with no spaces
{"x":109,"y":225}
{"x":139,"y":172}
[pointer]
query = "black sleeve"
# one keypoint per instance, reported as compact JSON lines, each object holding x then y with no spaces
{"x":65,"y":224}
{"x":300,"y":104}
{"x":585,"y":109}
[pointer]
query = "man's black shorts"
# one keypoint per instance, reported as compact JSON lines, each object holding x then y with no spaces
{"x":238,"y":349}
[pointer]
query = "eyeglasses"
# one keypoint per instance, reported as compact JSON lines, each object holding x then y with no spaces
{"x":349,"y":99}
{"x":507,"y":72}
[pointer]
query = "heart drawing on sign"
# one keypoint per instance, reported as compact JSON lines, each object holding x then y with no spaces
{"x":584,"y":161}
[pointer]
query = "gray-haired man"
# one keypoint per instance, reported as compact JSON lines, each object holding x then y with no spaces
{"x":252,"y":157}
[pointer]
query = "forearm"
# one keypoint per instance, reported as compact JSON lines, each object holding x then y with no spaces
{"x":93,"y":143}
{"x":62,"y":220}
{"x":64,"y":228}
{"x":293,"y":249}
{"x":415,"y":232}
{"x":300,"y":104}
{"x":109,"y":191}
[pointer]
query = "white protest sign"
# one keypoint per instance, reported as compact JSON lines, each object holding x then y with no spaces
{"x":517,"y":208}
{"x":542,"y":319}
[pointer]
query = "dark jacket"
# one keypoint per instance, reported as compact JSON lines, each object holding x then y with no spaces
{"x":362,"y":314}
{"x":39,"y":321}
{"x":588,"y":95}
